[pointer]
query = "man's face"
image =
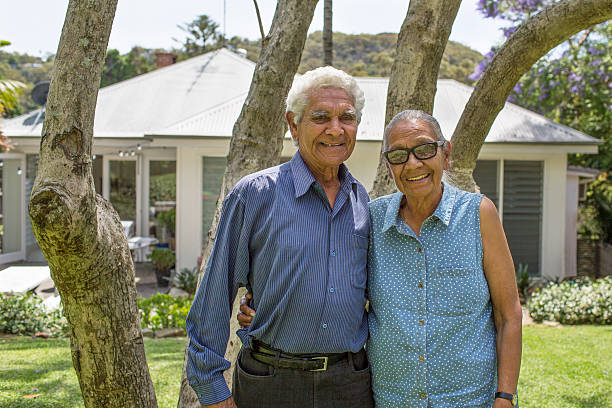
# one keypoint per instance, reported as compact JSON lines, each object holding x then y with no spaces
{"x":327,"y":130}
{"x":416,"y":178}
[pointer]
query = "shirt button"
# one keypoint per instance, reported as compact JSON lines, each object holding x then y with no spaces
{"x":423,"y":396}
{"x":325,"y":325}
{"x":333,"y":252}
{"x":421,"y":358}
{"x":421,"y":322}
{"x":420,"y":285}
{"x":331,"y":290}
{"x":420,"y":249}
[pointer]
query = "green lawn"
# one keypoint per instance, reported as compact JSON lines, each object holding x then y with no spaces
{"x":563,"y":367}
{"x":37,"y":366}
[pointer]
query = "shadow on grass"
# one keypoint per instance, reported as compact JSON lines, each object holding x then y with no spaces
{"x":69,"y":395}
{"x":596,"y":400}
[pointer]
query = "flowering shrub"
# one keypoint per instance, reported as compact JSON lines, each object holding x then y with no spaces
{"x":577,"y":301}
{"x":163,"y":311}
{"x":23,"y":313}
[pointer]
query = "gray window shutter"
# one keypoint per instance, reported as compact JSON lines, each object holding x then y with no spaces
{"x":485,"y":176}
{"x":523,"y":211}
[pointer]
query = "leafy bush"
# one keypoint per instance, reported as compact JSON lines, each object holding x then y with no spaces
{"x":24,"y":313}
{"x":576,"y":301}
{"x":186,"y":279}
{"x":163,"y":311}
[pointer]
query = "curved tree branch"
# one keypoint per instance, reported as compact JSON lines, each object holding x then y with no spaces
{"x":261,"y":30}
{"x":79,"y":232}
{"x":533,"y":39}
{"x":412,"y":85}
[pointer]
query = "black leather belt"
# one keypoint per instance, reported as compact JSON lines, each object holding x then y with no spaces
{"x":270,"y":356}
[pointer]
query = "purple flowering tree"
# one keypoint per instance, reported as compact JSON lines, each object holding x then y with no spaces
{"x":572,"y":85}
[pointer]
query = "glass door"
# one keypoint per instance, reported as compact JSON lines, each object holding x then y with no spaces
{"x":11,"y":208}
{"x":122,"y":192}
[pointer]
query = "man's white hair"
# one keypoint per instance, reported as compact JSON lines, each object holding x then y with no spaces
{"x":323,"y":77}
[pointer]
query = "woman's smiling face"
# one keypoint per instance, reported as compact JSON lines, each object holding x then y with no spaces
{"x":417,"y":178}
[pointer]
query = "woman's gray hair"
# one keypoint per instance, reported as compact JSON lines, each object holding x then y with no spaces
{"x":322,"y":77}
{"x":414,"y":115}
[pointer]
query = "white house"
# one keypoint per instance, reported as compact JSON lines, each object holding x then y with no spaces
{"x":175,"y":123}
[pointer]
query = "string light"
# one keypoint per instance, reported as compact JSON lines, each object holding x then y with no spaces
{"x":19,"y":171}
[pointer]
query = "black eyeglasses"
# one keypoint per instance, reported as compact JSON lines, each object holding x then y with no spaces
{"x":421,"y":152}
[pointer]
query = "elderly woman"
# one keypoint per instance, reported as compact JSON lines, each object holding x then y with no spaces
{"x":444,"y":319}
{"x":444,"y":316}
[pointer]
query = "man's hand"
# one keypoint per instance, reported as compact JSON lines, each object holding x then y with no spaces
{"x":228,"y":403}
{"x":245,"y":317}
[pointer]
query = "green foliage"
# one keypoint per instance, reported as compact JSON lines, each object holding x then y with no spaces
{"x":162,"y":187}
{"x":25,"y":314}
{"x":167,"y":219}
{"x":27,"y":70}
{"x":119,"y":67}
{"x":522,"y":279}
{"x":201,"y":37}
{"x":187,"y":280}
{"x":576,"y":301}
{"x":163,"y":259}
{"x":595,"y":214}
{"x":162,"y":311}
{"x":370,"y":55}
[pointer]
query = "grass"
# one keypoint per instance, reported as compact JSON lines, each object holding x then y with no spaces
{"x":563,"y":367}
{"x":566,"y":367}
{"x":37,"y":366}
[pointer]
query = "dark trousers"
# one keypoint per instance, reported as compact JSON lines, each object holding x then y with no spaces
{"x":344,"y":384}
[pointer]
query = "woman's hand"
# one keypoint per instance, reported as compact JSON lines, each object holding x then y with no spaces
{"x":245,"y":317}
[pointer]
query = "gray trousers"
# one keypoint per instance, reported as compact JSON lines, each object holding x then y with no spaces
{"x":344,"y":384}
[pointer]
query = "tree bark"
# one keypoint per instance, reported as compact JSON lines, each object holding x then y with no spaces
{"x":257,"y":137}
{"x":79,"y":232}
{"x":533,"y":39}
{"x":412,"y":85}
{"x":328,"y":47}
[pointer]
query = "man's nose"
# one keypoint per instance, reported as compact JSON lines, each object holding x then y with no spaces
{"x":335,"y":127}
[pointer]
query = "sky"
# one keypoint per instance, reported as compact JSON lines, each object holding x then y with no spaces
{"x":34,"y":26}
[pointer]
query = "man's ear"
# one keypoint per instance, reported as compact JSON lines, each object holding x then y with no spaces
{"x":290,"y":116}
{"x":447,"y":152}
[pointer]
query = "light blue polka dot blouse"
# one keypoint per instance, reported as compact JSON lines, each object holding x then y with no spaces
{"x":432,"y":337}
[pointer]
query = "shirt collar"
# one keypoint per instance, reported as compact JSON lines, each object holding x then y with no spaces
{"x":303,"y":179}
{"x":443,"y":211}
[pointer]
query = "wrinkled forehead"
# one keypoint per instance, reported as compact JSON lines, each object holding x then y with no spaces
{"x":411,"y":128}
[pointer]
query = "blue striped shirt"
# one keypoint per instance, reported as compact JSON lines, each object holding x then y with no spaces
{"x":304,"y":262}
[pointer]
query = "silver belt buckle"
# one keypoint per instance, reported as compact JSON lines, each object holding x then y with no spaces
{"x":324,"y":363}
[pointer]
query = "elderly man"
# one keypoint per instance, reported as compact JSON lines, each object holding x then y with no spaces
{"x":296,"y":235}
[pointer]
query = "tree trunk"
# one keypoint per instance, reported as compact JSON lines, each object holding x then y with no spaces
{"x":412,"y":85}
{"x":257,"y":137}
{"x":328,"y":47}
{"x":534,"y":38}
{"x":79,"y":232}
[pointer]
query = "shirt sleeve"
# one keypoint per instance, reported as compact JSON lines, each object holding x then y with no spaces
{"x":208,"y":320}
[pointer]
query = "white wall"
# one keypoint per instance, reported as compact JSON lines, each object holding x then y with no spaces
{"x":189,"y":197}
{"x":571,"y":217}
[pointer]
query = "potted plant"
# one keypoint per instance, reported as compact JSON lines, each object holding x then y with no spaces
{"x":163,"y":260}
{"x":167,"y":221}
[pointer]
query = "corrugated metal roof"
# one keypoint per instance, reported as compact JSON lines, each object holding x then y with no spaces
{"x":203,"y":97}
{"x":159,"y":98}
